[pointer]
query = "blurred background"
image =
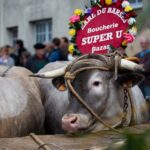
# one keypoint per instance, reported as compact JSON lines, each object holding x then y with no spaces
{"x":142,"y":8}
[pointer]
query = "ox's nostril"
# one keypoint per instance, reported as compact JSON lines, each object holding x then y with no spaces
{"x":70,"y":123}
{"x":74,"y":120}
{"x":70,"y":120}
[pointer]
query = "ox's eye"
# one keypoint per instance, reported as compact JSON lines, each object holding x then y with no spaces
{"x":96,"y":83}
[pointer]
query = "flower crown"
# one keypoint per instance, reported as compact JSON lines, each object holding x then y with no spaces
{"x":77,"y":21}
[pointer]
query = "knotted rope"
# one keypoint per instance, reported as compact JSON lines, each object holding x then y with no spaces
{"x":91,"y":62}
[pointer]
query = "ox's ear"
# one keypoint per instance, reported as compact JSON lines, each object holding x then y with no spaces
{"x":59,"y":83}
{"x":130,"y":79}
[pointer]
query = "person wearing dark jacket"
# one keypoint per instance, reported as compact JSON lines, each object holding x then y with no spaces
{"x":64,"y":48}
{"x":55,"y":54}
{"x":38,"y":61}
{"x":20,"y":50}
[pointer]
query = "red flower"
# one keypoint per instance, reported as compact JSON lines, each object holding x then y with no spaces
{"x":118,"y":4}
{"x":74,"y":18}
{"x":128,"y":37}
{"x":102,"y":2}
{"x":130,"y":14}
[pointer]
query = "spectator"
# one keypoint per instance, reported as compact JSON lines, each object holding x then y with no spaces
{"x":48,"y":48}
{"x":144,"y":57}
{"x":24,"y":58}
{"x":55,"y":54}
{"x":14,"y":55}
{"x":64,"y":47}
{"x":38,"y":61}
{"x":5,"y":58}
{"x":20,"y":49}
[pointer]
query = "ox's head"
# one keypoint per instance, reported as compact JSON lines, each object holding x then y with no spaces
{"x":92,"y":78}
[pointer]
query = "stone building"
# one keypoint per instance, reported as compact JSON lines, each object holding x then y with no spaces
{"x":39,"y":20}
{"x":34,"y":20}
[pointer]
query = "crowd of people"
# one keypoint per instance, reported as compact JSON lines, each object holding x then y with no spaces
{"x":57,"y":50}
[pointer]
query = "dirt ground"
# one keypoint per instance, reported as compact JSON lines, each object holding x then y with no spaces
{"x":98,"y":141}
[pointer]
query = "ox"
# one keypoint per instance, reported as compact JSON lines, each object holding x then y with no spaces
{"x":91,"y":80}
{"x":21,"y":109}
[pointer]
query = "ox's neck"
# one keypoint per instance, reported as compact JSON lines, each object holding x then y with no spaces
{"x":114,"y":109}
{"x":113,"y":113}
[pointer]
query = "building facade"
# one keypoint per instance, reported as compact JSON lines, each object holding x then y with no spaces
{"x":34,"y":20}
{"x":39,"y":20}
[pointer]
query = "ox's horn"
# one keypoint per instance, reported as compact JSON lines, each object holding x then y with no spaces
{"x":50,"y":74}
{"x":126,"y":64}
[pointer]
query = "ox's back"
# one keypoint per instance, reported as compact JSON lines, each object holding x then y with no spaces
{"x":20,"y":103}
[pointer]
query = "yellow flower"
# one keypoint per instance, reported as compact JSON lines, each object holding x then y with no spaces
{"x":78,"y":12}
{"x":71,"y":49}
{"x":124,"y":43}
{"x":133,"y":30}
{"x":72,"y":32}
{"x":108,"y":2}
{"x":128,"y":8}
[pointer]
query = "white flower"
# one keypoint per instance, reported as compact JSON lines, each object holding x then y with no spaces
{"x":133,"y":31}
{"x":125,"y":4}
{"x":131,"y":21}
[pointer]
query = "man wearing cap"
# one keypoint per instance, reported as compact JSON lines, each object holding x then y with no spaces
{"x":38,"y":61}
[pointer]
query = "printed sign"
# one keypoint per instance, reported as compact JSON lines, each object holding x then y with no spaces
{"x":106,"y":24}
{"x":104,"y":27}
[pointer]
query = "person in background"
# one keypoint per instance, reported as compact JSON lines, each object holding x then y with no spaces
{"x":64,"y":47}
{"x":12,"y":53}
{"x":24,"y":58}
{"x":144,"y":57}
{"x":55,"y":54}
{"x":20,"y":50}
{"x":5,"y":58}
{"x":48,"y":48}
{"x":38,"y":61}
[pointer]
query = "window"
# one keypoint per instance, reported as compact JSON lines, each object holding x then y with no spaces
{"x":13,"y":34}
{"x":43,"y":31}
{"x":136,"y":3}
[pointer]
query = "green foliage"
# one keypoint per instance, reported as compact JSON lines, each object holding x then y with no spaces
{"x":112,"y":48}
{"x":73,"y":39}
{"x":93,"y":3}
{"x":77,"y":25}
{"x":134,"y":142}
